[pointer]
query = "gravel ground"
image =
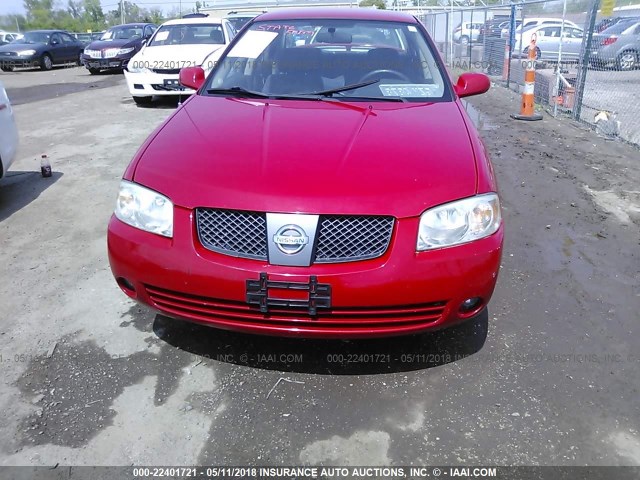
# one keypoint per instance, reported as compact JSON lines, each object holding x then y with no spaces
{"x":549,"y":376}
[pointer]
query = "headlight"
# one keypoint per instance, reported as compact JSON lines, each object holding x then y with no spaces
{"x":144,"y":209}
{"x":26,"y":52}
{"x":458,"y":222}
{"x":124,"y":51}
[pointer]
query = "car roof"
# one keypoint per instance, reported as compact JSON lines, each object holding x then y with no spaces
{"x":337,"y":13}
{"x":194,"y":20}
{"x":135,"y":24}
{"x":47,"y":31}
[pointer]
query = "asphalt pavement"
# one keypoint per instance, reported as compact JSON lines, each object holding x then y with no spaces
{"x":548,"y":376}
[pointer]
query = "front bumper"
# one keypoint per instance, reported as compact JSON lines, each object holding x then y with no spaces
{"x":599,"y":57}
{"x":20,"y":61}
{"x":152,"y":83}
{"x":114,"y":63}
{"x":402,"y":292}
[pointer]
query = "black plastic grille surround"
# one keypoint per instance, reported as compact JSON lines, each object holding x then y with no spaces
{"x":341,"y":238}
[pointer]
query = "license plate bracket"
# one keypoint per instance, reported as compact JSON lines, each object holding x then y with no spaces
{"x":319,"y":294}
{"x":172,"y":84}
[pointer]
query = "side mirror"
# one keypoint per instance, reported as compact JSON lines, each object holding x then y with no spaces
{"x":472,"y":84}
{"x":54,"y":42}
{"x":192,"y":77}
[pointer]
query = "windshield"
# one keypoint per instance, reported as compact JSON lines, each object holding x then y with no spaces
{"x":188,"y":34}
{"x":315,"y":55}
{"x":33,"y":37}
{"x":122,"y":33}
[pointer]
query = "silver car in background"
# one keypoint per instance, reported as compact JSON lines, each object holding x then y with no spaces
{"x":548,"y":39}
{"x":8,"y":133}
{"x":618,"y":46}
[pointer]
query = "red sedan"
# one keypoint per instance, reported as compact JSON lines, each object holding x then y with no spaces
{"x":324,"y":181}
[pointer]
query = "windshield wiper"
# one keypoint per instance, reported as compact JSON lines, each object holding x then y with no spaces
{"x":345,"y":88}
{"x":238,"y":91}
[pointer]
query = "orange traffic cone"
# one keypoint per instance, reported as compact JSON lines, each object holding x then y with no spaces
{"x":526,"y":109}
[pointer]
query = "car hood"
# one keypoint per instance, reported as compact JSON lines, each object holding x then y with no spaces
{"x":120,"y":43}
{"x":311,"y":156}
{"x":14,"y":47}
{"x":181,"y":55}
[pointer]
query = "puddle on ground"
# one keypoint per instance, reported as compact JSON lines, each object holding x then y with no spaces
{"x":480,"y":120}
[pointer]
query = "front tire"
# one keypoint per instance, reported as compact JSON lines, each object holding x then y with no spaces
{"x":45,"y":62}
{"x":7,"y":68}
{"x":143,"y":101}
{"x":626,"y":61}
{"x":94,"y":71}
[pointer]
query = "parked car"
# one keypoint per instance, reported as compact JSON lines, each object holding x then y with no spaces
{"x":467,"y":32}
{"x":248,"y":208}
{"x":618,"y":46}
{"x":8,"y":133}
{"x":116,"y":47}
{"x":527,"y":23}
{"x":7,"y":37}
{"x":240,"y":19}
{"x":40,"y":48}
{"x":186,"y":42}
{"x":548,"y":42}
{"x":84,"y":38}
{"x":610,"y":22}
{"x":492,"y":28}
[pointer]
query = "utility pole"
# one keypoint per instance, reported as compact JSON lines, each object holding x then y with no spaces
{"x":122,"y":12}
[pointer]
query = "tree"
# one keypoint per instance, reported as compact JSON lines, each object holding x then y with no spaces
{"x":156,"y":16}
{"x":93,"y":14}
{"x":75,"y":9}
{"x":379,"y":4}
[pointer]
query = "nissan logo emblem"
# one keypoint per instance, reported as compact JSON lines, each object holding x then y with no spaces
{"x":290,"y":239}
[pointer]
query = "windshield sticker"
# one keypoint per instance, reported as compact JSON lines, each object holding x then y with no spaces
{"x":290,"y":29}
{"x":161,"y":36}
{"x":411,"y":28}
{"x":408,"y":90}
{"x":252,"y":44}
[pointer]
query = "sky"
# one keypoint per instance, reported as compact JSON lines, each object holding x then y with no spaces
{"x":16,"y":6}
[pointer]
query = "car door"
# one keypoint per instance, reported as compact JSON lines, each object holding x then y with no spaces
{"x":56,"y":48}
{"x":72,"y":47}
{"x":548,"y":42}
{"x":572,"y":43}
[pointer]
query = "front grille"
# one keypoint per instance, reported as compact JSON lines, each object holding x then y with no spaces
{"x":240,"y":314}
{"x":241,"y":234}
{"x":166,"y":71}
{"x":341,"y":238}
{"x":349,"y":238}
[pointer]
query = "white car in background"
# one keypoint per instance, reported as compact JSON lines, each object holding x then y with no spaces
{"x":176,"y":44}
{"x":467,"y":32}
{"x":527,"y":23}
{"x":7,"y":37}
{"x":8,"y":133}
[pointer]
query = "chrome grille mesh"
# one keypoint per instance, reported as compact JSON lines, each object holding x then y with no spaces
{"x":349,"y":238}
{"x":241,"y":234}
{"x":341,"y":238}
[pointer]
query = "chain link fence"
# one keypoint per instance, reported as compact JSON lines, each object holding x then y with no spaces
{"x":587,"y":65}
